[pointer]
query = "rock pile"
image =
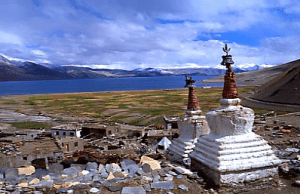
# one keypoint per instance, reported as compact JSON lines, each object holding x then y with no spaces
{"x":126,"y":177}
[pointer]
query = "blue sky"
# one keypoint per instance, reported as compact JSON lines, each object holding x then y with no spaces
{"x":132,"y":34}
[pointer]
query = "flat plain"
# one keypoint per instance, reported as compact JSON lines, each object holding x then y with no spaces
{"x":131,"y":107}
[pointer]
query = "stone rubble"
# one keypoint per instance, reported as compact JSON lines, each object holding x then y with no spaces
{"x":95,"y":177}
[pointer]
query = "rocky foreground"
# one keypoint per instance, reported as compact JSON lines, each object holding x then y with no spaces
{"x":126,"y":177}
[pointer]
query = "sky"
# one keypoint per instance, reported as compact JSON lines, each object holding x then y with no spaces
{"x":131,"y":34}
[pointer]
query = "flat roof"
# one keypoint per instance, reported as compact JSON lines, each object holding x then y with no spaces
{"x":68,"y":127}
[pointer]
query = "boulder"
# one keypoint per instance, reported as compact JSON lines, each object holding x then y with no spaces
{"x":162,"y":185}
{"x":23,"y":185}
{"x":47,"y":177}
{"x":146,"y":168}
{"x":61,"y":190}
{"x":56,"y":167}
{"x":101,"y":168}
{"x":91,"y":165}
{"x":81,"y":186}
{"x":104,"y":175}
{"x":37,"y":192}
{"x":88,"y":177}
{"x":110,"y":176}
{"x":180,"y":176}
{"x":39,"y":173}
{"x":28,"y":170}
{"x":83,"y":173}
{"x":140,"y":171}
{"x":79,"y":166}
{"x":71,"y":171}
{"x":130,"y":190}
{"x":182,"y":170}
{"x":147,"y":187}
{"x":183,"y":187}
{"x":156,"y":178}
{"x":127,"y":162}
{"x":97,"y":178}
{"x":147,"y":178}
{"x":44,"y":184}
{"x":154,"y":164}
{"x":69,"y":184}
{"x":34,"y":181}
{"x":168,"y":178}
{"x":56,"y":186}
{"x":113,"y":167}
{"x":115,"y":188}
{"x":95,"y":190}
{"x":96,"y":184}
{"x":132,"y":169}
{"x":11,"y":173}
{"x":10,"y":188}
{"x":119,"y":174}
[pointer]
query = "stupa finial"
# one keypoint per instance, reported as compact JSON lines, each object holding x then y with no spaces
{"x":230,"y":90}
{"x":226,"y":49}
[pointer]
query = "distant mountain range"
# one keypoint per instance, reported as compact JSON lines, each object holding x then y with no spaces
{"x":19,"y":70}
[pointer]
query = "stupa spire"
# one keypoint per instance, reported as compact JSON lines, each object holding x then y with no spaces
{"x":230,"y":90}
{"x":193,"y":102}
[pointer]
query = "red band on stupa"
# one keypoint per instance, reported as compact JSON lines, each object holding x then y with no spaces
{"x":230,"y":89}
{"x":193,"y":103}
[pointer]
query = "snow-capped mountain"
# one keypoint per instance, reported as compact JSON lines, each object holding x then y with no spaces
{"x":252,"y":66}
{"x":245,"y":67}
{"x":18,"y":69}
{"x":154,"y":70}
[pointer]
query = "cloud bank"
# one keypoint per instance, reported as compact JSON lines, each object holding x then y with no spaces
{"x":138,"y":33}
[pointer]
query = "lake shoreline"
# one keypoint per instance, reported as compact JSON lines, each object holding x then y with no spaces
{"x":98,"y":85}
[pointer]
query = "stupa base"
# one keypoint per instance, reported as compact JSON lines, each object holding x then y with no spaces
{"x":179,"y":151}
{"x":235,"y":159}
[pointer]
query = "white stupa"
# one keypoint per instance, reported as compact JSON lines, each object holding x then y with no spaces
{"x":232,"y":153}
{"x":191,"y":126}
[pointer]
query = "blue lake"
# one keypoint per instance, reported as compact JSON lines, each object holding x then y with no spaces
{"x":98,"y":85}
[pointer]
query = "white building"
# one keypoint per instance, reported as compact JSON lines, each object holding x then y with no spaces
{"x":66,"y":130}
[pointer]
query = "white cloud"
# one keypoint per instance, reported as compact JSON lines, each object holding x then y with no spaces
{"x":39,"y":53}
{"x":131,"y":34}
{"x":10,"y":38}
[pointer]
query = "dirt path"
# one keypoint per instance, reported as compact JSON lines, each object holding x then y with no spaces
{"x":269,"y":105}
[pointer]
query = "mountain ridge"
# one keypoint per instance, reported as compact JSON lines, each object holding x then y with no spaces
{"x":21,"y":70}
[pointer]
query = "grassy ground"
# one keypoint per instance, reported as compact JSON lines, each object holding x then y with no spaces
{"x":31,"y":125}
{"x":132,"y":107}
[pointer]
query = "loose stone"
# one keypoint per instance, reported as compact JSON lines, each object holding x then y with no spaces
{"x":131,"y":190}
{"x":183,"y":187}
{"x":162,"y":185}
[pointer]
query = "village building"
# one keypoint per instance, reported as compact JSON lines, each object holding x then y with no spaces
{"x":16,"y":151}
{"x":170,"y":122}
{"x":70,"y":144}
{"x":98,"y":130}
{"x":130,"y":131}
{"x":73,"y":129}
